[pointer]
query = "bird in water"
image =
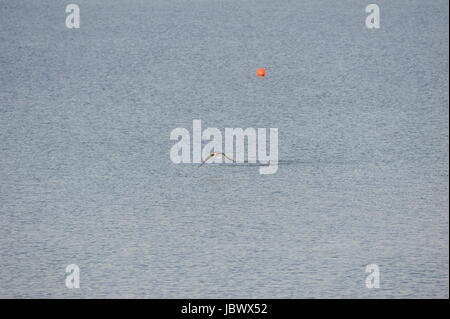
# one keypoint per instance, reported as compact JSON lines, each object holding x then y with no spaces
{"x":214,"y":154}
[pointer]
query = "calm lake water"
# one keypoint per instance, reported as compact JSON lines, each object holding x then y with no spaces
{"x":86,"y":177}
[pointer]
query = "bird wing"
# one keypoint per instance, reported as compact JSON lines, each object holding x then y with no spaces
{"x":228,"y":157}
{"x":206,"y":159}
{"x":212,"y":155}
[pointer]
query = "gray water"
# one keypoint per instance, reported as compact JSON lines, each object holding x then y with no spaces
{"x":86,"y":177}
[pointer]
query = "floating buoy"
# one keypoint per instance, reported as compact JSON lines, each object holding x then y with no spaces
{"x":261,"y":72}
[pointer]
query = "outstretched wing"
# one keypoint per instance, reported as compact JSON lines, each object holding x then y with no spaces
{"x":214,"y":154}
{"x":228,"y":157}
{"x":206,"y":159}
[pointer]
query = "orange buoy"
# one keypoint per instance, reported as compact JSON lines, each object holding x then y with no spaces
{"x":261,"y":72}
